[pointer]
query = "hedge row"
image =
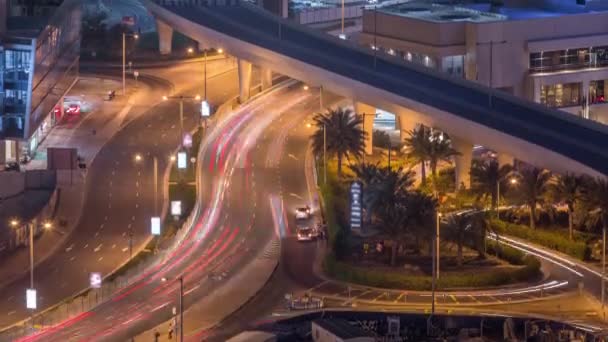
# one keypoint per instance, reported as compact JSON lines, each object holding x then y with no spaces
{"x":395,"y":280}
{"x":547,"y":238}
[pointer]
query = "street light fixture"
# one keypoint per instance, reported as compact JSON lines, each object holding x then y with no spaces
{"x":124,"y":59}
{"x":181,"y":99}
{"x":190,"y":50}
{"x":220,"y":50}
{"x":181,"y":305}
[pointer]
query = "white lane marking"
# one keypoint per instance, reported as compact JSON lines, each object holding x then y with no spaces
{"x":69,"y":248}
{"x":192,"y":289}
{"x":100,"y":258}
{"x":295,"y":195}
{"x":293,"y":157}
{"x":160,"y":306}
{"x":125,"y":249}
{"x":98,"y":248}
{"x":12,"y":312}
{"x":85,"y":246}
{"x":72,"y":258}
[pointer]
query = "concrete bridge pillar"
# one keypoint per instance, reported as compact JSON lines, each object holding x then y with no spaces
{"x":504,"y":159}
{"x":244,"y":79}
{"x":367,"y":113}
{"x":405,"y":125}
{"x":165,"y":37}
{"x":266,"y":75}
{"x":462,"y":162}
{"x":201,"y":46}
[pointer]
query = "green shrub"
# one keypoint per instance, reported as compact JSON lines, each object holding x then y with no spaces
{"x":504,"y":252}
{"x":547,"y":238}
{"x":395,"y":280}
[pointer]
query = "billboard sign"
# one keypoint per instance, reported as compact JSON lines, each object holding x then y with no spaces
{"x":356,"y":210}
{"x":95,"y":280}
{"x":30,"y":299}
{"x":182,"y":160}
{"x":155,"y":225}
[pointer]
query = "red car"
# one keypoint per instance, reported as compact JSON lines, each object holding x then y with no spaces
{"x":73,"y":109}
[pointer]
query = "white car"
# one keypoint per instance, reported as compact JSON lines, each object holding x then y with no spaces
{"x":303,"y":213}
{"x":306,"y":234}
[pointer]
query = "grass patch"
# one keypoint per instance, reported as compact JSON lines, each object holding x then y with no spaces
{"x":552,"y":239}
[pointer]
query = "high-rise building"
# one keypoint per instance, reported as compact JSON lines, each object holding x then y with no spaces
{"x":39,"y":56}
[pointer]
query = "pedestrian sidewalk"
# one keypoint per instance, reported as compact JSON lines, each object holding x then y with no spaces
{"x":106,"y":119}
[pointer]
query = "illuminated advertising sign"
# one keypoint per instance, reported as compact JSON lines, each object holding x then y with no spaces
{"x":182,"y":160}
{"x":155,"y":226}
{"x":356,"y":210}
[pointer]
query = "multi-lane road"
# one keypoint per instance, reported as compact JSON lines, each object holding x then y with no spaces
{"x":235,"y":225}
{"x":119,"y":196}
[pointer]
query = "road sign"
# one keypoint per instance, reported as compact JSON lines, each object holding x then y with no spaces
{"x":30,"y":299}
{"x":95,"y":280}
{"x":155,"y":225}
{"x":182,"y":160}
{"x":187,"y":140}
{"x":355,"y":205}
{"x":205,"y":109}
{"x":176,"y":208}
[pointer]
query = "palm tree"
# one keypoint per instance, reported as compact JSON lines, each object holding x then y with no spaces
{"x":389,"y":186}
{"x":417,"y":148}
{"x":341,"y":132}
{"x":422,"y":213}
{"x":440,"y":149}
{"x":458,"y":225}
{"x":534,"y":184}
{"x":485,"y":176}
{"x":568,"y":188}
{"x":597,"y":194}
{"x":393,"y":221}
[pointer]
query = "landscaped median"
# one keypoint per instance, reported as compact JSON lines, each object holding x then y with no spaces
{"x":552,"y":239}
{"x":503,"y":265}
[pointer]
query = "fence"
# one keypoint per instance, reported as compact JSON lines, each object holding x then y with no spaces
{"x":320,"y":15}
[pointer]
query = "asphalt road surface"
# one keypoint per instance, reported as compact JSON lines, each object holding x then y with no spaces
{"x":119,"y":200}
{"x":234,"y":225}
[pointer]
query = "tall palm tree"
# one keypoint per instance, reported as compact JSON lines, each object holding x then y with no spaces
{"x":343,"y":134}
{"x":416,"y":147}
{"x":422,"y":211}
{"x":390,"y":186}
{"x":533,"y":187}
{"x":393,"y":222}
{"x":569,"y":188}
{"x":597,"y":194}
{"x":458,"y":225}
{"x":440,"y":149}
{"x":485,"y":176}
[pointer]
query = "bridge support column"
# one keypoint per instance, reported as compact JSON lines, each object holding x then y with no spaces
{"x":244,"y":79}
{"x":266,"y":75}
{"x":405,"y":125}
{"x":367,"y":113}
{"x":504,"y":159}
{"x":462,"y":162}
{"x":165,"y":37}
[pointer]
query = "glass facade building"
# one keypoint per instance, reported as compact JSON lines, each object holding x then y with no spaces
{"x":39,"y":65}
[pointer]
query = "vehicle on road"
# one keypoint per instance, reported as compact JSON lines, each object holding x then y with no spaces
{"x":306,"y":233}
{"x":73,"y":109}
{"x":303,"y":213}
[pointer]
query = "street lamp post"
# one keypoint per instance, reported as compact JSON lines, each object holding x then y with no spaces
{"x":437,"y":240}
{"x":181,"y":305}
{"x":324,"y":155}
{"x":124,"y":59}
{"x":181,"y":99}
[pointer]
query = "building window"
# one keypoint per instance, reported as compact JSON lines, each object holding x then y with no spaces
{"x":597,"y":93}
{"x":561,"y":95}
{"x":569,"y":59}
{"x":453,"y":65}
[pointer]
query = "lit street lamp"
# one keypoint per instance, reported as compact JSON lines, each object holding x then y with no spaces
{"x":512,"y":181}
{"x":14,"y":223}
{"x":181,"y":99}
{"x":124,"y":59}
{"x":181,"y":305}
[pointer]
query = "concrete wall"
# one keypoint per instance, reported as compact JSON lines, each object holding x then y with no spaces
{"x":11,"y":183}
{"x":319,"y":15}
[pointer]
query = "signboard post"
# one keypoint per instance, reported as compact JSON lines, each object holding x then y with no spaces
{"x":30,"y":299}
{"x":182,"y":160}
{"x":205,"y":109}
{"x":95,"y":280}
{"x":355,"y":206}
{"x":155,"y":225}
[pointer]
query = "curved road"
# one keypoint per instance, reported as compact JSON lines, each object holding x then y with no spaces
{"x":119,"y":199}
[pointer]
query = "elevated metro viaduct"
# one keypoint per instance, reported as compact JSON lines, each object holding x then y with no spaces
{"x":468,"y":112}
